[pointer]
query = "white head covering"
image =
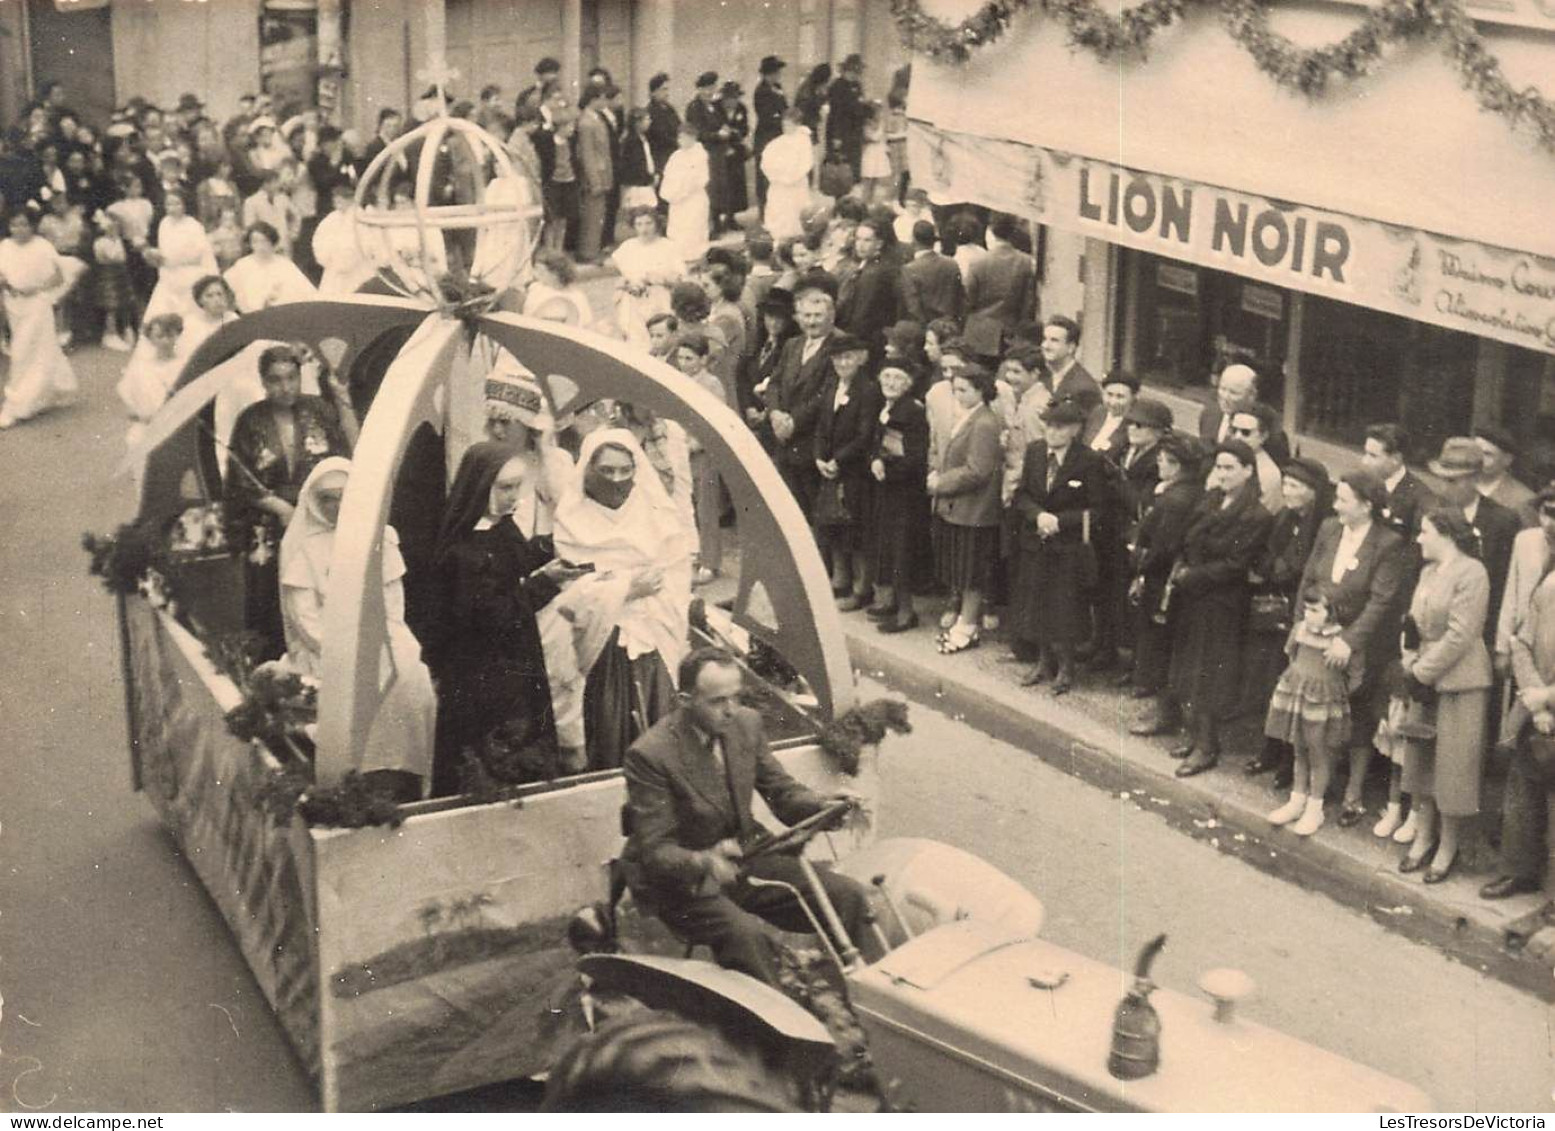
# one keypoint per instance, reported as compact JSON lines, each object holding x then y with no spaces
{"x":309,"y":541}
{"x":646,"y":532}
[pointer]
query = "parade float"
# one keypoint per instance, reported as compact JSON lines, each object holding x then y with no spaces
{"x":419,"y":949}
{"x":408,"y":956}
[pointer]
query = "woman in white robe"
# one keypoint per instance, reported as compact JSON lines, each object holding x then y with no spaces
{"x":786,"y":162}
{"x":630,"y":617}
{"x":650,"y":265}
{"x":265,"y":278}
{"x":30,"y":280}
{"x":399,"y":739}
{"x":684,"y":188}
{"x":336,"y":250}
{"x":183,"y":256}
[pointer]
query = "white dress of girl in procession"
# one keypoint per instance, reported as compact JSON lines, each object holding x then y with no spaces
{"x":400,"y":735}
{"x":786,"y":162}
{"x":184,"y":256}
{"x":336,"y":250}
{"x":650,"y":265}
{"x":31,"y":279}
{"x":684,"y":188}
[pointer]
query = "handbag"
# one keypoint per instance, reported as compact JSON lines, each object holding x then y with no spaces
{"x":1269,"y":614}
{"x":831,"y":505}
{"x":836,"y":179}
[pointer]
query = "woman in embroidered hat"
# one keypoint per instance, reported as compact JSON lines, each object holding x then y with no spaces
{"x":517,"y":415}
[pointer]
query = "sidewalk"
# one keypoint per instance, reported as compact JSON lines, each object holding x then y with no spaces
{"x":1086,"y":734}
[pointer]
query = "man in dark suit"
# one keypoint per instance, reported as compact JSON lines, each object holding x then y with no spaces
{"x":548,"y":76}
{"x":1069,"y":379}
{"x":390,"y":121}
{"x":689,"y":781}
{"x":1147,"y":422}
{"x":931,"y":282}
{"x":1237,"y":391}
{"x":771,"y":104}
{"x":1407,"y":496}
{"x":845,"y":122}
{"x":1459,"y":468}
{"x":1000,"y":286}
{"x":794,"y":396}
{"x":870,"y":297}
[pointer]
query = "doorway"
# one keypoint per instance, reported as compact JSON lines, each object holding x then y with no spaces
{"x":76,"y":48}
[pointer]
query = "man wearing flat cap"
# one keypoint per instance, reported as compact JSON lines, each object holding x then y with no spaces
{"x":771,"y":104}
{"x":1064,"y":489}
{"x":1495,"y":482}
{"x":1458,"y":469}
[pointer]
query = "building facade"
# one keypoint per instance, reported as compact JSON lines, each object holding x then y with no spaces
{"x":1383,"y":250}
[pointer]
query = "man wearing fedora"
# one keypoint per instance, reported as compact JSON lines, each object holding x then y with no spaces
{"x":771,"y":104}
{"x":1495,"y":482}
{"x":1459,"y":468}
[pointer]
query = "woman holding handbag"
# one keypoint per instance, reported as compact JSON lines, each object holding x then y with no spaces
{"x":1307,"y":493}
{"x":849,"y":402}
{"x":1451,"y":602}
{"x":1058,"y":502}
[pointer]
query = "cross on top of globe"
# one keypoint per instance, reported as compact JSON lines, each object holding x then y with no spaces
{"x":444,"y":216}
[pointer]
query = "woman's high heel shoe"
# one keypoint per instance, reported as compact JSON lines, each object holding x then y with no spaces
{"x":1412,"y":863}
{"x":1435,"y":874}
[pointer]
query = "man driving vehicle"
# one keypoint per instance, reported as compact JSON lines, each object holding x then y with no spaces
{"x":689,"y":780}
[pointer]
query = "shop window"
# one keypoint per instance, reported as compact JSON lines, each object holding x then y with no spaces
{"x":1361,"y":367}
{"x":1527,"y":408}
{"x":1190,"y":322}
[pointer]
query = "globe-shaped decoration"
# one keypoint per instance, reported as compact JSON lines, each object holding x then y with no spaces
{"x":444,"y":216}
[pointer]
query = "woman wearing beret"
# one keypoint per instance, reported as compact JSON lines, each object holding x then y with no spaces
{"x":1211,"y":592}
{"x":1276,"y":577}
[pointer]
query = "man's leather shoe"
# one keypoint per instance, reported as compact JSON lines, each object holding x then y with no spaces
{"x":1153,"y":725}
{"x":1062,"y":683}
{"x":1505,"y":887}
{"x":877,"y":612}
{"x":1197,"y":765}
{"x":1182,"y":749}
{"x":1035,"y":676}
{"x":852,"y":603}
{"x":1351,"y":814}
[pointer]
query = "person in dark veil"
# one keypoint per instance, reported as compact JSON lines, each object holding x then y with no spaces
{"x":483,"y":644}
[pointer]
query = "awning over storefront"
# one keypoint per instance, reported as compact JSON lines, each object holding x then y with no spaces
{"x":1405,"y":143}
{"x":1458,"y":284}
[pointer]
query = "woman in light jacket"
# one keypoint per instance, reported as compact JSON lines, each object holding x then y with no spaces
{"x":965,"y":483}
{"x":1451,"y":601}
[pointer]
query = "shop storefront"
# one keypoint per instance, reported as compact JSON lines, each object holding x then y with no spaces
{"x":1303,"y":238}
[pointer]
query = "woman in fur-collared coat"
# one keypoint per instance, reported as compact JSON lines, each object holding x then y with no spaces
{"x":1211,"y":593}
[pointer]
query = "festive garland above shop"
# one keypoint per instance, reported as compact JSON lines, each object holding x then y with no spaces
{"x":1298,"y":69}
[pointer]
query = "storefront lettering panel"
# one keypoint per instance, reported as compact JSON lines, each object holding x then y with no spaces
{"x":1460,"y":285}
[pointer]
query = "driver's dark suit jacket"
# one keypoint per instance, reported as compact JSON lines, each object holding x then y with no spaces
{"x":679,"y":801}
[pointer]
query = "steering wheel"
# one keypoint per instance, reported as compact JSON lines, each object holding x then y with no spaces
{"x":797,"y":836}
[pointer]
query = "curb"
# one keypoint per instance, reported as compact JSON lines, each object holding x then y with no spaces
{"x":1233,"y":829}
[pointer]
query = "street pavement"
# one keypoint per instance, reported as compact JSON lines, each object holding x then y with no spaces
{"x":122,"y":990}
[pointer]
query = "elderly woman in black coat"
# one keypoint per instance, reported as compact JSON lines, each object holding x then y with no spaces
{"x":1167,"y":515}
{"x":844,"y":429}
{"x":1064,"y":490}
{"x":1276,"y":579}
{"x":899,"y":458}
{"x":1211,"y":592}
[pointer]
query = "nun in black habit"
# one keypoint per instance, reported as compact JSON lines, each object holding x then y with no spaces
{"x":482,"y":643}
